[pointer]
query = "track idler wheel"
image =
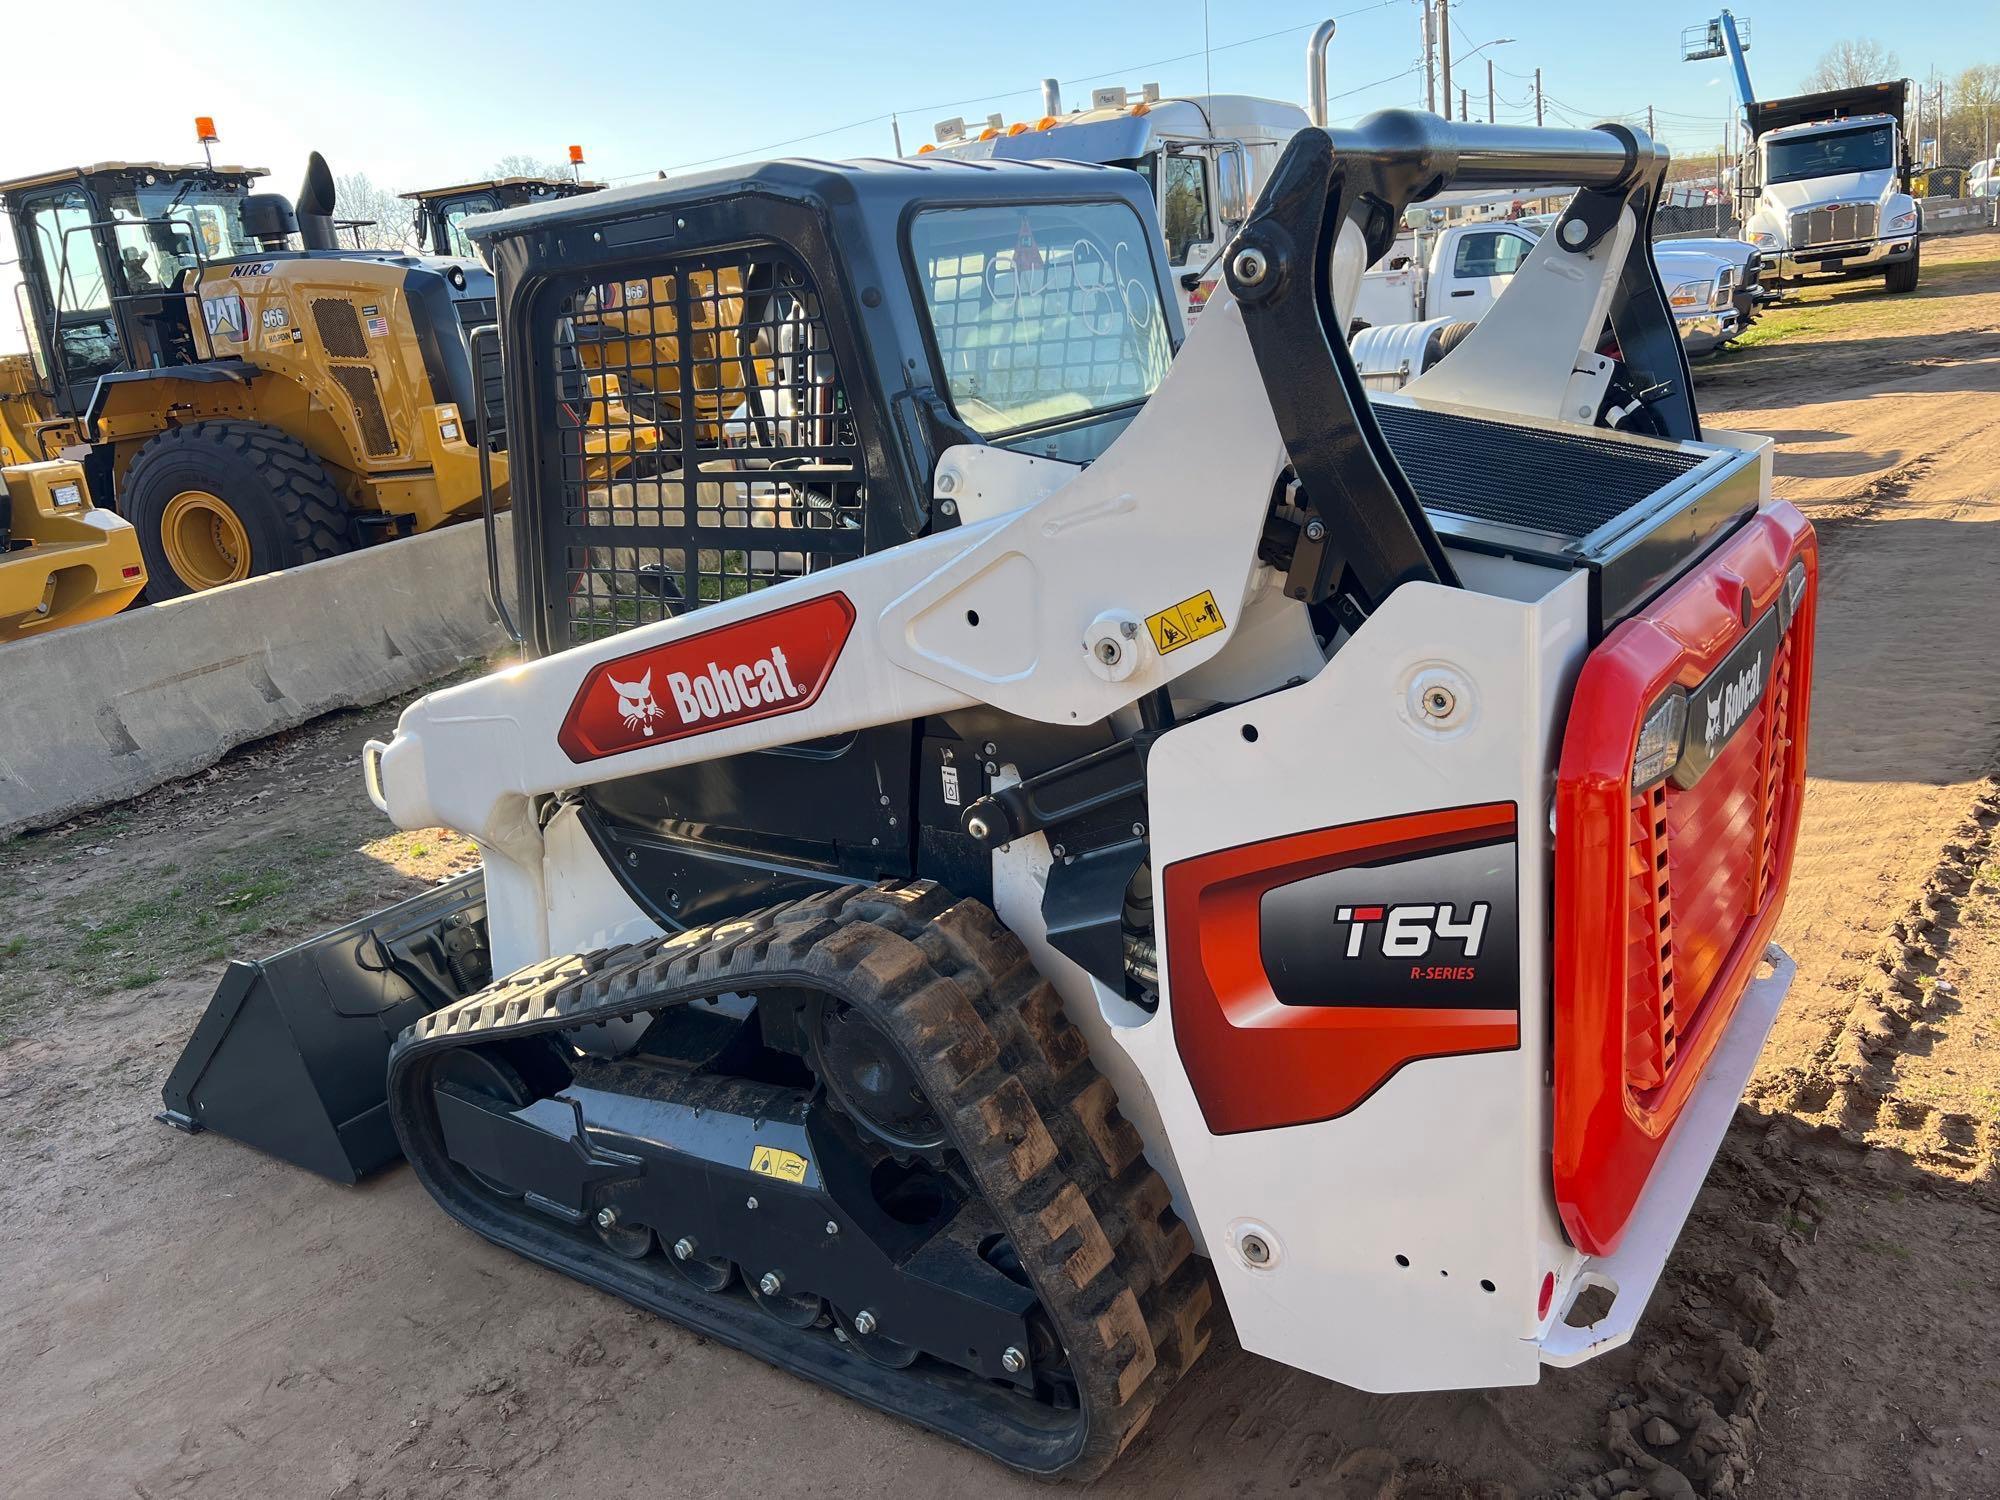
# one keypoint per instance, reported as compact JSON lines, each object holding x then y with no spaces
{"x":633,"y":1241}
{"x":860,"y":1332}
{"x":775,"y":1300}
{"x":711,"y":1273}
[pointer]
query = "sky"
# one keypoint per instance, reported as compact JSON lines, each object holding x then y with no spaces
{"x":418,"y":93}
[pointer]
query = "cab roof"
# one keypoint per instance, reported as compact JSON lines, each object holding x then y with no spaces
{"x":120,"y":168}
{"x":873,"y":186}
{"x":422,"y":195}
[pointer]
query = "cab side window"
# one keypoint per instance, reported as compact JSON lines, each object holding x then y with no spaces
{"x":1184,"y":205}
{"x":1489,"y":252}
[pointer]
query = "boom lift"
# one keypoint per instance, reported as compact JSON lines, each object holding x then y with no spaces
{"x":245,"y":405}
{"x":1068,"y":865}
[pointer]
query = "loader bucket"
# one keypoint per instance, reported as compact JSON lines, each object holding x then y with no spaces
{"x":291,"y":1055}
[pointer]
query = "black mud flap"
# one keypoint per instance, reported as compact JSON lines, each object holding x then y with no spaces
{"x":291,"y":1055}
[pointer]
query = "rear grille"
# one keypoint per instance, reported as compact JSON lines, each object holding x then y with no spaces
{"x":472,"y":313}
{"x":1702,"y":861}
{"x":359,"y":383}
{"x":1565,"y":483}
{"x":339,"y":328}
{"x":1838,"y":224}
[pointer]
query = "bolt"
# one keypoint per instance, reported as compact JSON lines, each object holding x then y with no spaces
{"x":1128,"y":628}
{"x":947,"y":483}
{"x":683,"y":1248}
{"x":1138,"y":830}
{"x":1255,"y":1250}
{"x":1012,"y":1360}
{"x":1315,"y":530}
{"x":977,"y":828}
{"x":948,"y":507}
{"x":1439,"y":702}
{"x":883,"y":799}
{"x":840,"y":1335}
{"x":1058,"y":851}
{"x":607,"y":1218}
{"x":1574,"y":232}
{"x":1250,"y":266}
{"x":864,"y":1322}
{"x":750,"y":1203}
{"x":770,"y":1283}
{"x":990,"y":748}
{"x":632,"y":858}
{"x":831,"y":1227}
{"x":1107,"y":652}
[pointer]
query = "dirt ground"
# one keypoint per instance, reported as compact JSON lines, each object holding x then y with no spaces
{"x":182,"y":1317}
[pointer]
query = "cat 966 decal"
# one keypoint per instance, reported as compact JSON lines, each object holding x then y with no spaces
{"x":1306,"y":970}
{"x":771,"y":664}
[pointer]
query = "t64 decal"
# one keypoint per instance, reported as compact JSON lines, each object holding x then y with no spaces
{"x":771,"y":664}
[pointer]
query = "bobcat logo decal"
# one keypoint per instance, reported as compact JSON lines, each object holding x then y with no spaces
{"x":636,"y":704}
{"x":1713,"y":731}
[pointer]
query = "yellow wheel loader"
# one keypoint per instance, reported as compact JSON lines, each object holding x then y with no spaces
{"x":247,"y":406}
{"x":62,"y":561}
{"x":441,"y":212}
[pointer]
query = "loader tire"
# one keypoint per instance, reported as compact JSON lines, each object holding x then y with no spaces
{"x":216,"y":502}
{"x":1903,"y":276}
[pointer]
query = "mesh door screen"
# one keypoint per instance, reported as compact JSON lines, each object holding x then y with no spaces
{"x":704,"y":443}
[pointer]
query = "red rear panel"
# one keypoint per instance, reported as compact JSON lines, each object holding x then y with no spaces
{"x":1666,"y":898}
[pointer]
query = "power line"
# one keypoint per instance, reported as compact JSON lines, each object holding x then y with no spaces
{"x":1124,"y":69}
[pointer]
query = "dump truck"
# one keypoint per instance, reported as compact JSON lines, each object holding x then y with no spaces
{"x":1827,"y":181}
{"x":441,"y":211}
{"x":1113,"y":827}
{"x":62,"y":560}
{"x":245,"y":405}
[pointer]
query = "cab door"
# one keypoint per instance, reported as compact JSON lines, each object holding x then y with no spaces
{"x":76,"y":334}
{"x":1478,"y":263}
{"x":1189,"y":221}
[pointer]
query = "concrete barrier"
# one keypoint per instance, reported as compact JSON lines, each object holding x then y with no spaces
{"x":103,"y":711}
{"x":1957,"y":215}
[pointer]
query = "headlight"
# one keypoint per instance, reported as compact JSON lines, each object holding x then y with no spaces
{"x":1659,"y":740}
{"x":1688,"y":294}
{"x":1904,"y":221}
{"x":1764,"y":239}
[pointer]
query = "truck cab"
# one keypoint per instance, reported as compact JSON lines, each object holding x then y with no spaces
{"x":1834,"y":199}
{"x":1203,"y":158}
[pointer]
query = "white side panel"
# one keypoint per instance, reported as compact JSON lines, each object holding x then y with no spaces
{"x":1445,"y":1164}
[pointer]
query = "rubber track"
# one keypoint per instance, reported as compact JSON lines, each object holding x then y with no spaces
{"x":1037,"y":1125}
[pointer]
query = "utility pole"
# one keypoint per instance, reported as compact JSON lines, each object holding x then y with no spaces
{"x":1489,"y":91}
{"x":1649,"y":119}
{"x":1461,"y":106}
{"x":1444,"y":50}
{"x":1430,"y":60}
{"x":1538,"y":98}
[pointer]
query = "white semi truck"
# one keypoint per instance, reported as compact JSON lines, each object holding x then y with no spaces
{"x":1206,"y":157}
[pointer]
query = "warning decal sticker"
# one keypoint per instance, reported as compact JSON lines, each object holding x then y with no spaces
{"x":771,"y":1161}
{"x":1190,"y":620}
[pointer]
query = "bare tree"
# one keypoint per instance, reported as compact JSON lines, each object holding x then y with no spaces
{"x":519,"y":165}
{"x":388,"y":218}
{"x":1849,"y":64}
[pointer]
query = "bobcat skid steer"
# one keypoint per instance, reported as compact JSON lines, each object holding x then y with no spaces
{"x":1098,"y":827}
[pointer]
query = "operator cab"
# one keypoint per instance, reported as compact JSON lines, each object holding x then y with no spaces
{"x":441,"y":212}
{"x":103,"y":250}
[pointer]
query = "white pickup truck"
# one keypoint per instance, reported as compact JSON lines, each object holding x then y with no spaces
{"x":1439,"y":277}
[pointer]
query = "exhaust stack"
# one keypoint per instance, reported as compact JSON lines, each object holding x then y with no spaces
{"x":1316,"y":49}
{"x":315,"y":206}
{"x":1051,"y":96}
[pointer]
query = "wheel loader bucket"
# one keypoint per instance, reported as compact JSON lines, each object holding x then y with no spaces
{"x":291,"y":1055}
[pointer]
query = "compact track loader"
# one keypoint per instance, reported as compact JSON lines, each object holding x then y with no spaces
{"x":247,"y":406}
{"x":1038,"y":835}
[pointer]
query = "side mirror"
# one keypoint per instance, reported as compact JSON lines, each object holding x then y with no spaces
{"x":1232,"y":182}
